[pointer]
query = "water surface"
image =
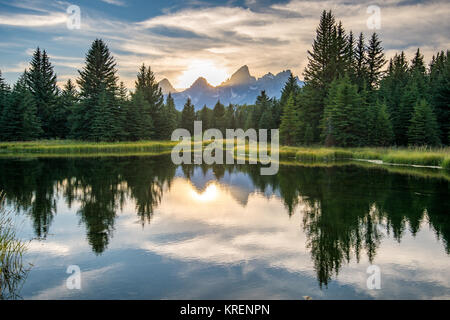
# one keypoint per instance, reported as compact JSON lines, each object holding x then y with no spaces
{"x":143,"y":228}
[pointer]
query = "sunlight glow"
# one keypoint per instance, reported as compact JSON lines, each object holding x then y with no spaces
{"x":202,"y":68}
{"x":209,"y":194}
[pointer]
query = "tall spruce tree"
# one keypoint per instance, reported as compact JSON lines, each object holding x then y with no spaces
{"x":66,"y":105}
{"x":321,"y":71}
{"x":98,"y":97}
{"x":379,"y":126}
{"x":230,"y":117}
{"x":416,"y":89}
{"x":188,"y":116}
{"x":169,"y":118}
{"x":263,"y":106}
{"x":375,"y":62}
{"x":440,"y":92}
{"x":146,"y":83}
{"x":360,"y":63}
{"x":41,"y":80}
{"x":19,"y":121}
{"x":291,"y":87}
{"x":343,"y":124}
{"x":423,"y":129}
{"x":324,"y":66}
{"x":138,"y":119}
{"x":391,"y":92}
{"x":4,"y":93}
{"x":289,"y":122}
{"x":218,"y":119}
{"x":206,"y":117}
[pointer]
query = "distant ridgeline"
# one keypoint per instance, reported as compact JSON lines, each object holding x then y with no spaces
{"x":241,"y":88}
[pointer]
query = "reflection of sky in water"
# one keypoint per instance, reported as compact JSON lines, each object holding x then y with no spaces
{"x":221,"y":239}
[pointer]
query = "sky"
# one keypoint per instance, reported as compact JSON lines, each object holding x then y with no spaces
{"x":182,"y":40}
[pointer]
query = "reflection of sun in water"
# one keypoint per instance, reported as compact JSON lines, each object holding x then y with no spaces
{"x":207,"y":69}
{"x":209,"y":194}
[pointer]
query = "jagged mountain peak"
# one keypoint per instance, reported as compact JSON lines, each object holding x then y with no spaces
{"x":201,"y":82}
{"x":241,"y":76}
{"x":241,"y":88}
{"x":166,"y":86}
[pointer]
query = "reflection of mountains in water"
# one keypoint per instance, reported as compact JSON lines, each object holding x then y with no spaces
{"x":238,"y":184}
{"x":344,"y":210}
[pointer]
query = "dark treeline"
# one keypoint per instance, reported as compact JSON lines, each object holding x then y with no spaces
{"x":352,"y":96}
{"x":350,"y":99}
{"x":102,"y":109}
{"x":342,"y":221}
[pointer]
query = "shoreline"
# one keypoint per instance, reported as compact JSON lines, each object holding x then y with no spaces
{"x":414,"y":157}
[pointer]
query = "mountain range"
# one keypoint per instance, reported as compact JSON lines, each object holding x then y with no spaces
{"x":240,"y":88}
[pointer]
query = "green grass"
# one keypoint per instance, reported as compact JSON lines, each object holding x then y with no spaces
{"x":12,"y":271}
{"x":405,"y":156}
{"x":78,"y":147}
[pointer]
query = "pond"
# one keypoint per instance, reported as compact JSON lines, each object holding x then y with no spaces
{"x":144,"y":228}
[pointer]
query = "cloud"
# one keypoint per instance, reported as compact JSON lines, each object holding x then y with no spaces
{"x":266,"y":37}
{"x":115,"y":2}
{"x":33,"y":20}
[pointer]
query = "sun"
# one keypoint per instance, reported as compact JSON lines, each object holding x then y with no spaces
{"x":207,"y":69}
{"x":209,"y":194}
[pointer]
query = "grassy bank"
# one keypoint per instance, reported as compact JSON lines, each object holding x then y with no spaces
{"x":78,"y":147}
{"x":405,"y":156}
{"x":410,"y":156}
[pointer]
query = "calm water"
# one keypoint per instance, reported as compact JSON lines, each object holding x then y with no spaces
{"x":143,"y":228}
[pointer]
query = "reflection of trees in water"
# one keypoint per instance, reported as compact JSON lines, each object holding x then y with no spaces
{"x":99,"y":186}
{"x":345,"y":210}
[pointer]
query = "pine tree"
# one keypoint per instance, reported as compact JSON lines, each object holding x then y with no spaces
{"x":206,"y":118}
{"x":340,"y":49}
{"x":146,"y":83}
{"x":379,"y":126}
{"x":423,"y":129}
{"x":66,"y":105}
{"x":290,"y":88}
{"x":230,"y":117}
{"x":323,"y":67}
{"x":169,"y":118}
{"x":97,"y":80}
{"x":375,"y":62}
{"x":19,"y":121}
{"x":343,"y":124}
{"x":289,"y":123}
{"x":4,"y":93}
{"x":263,"y":105}
{"x":103,"y":121}
{"x":360,"y":63}
{"x":188,"y":116}
{"x":440,"y":92}
{"x":321,"y":71}
{"x":218,"y":119}
{"x":416,"y":89}
{"x":41,"y":80}
{"x":392,"y":89}
{"x":138,"y":118}
{"x":266,"y":121}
